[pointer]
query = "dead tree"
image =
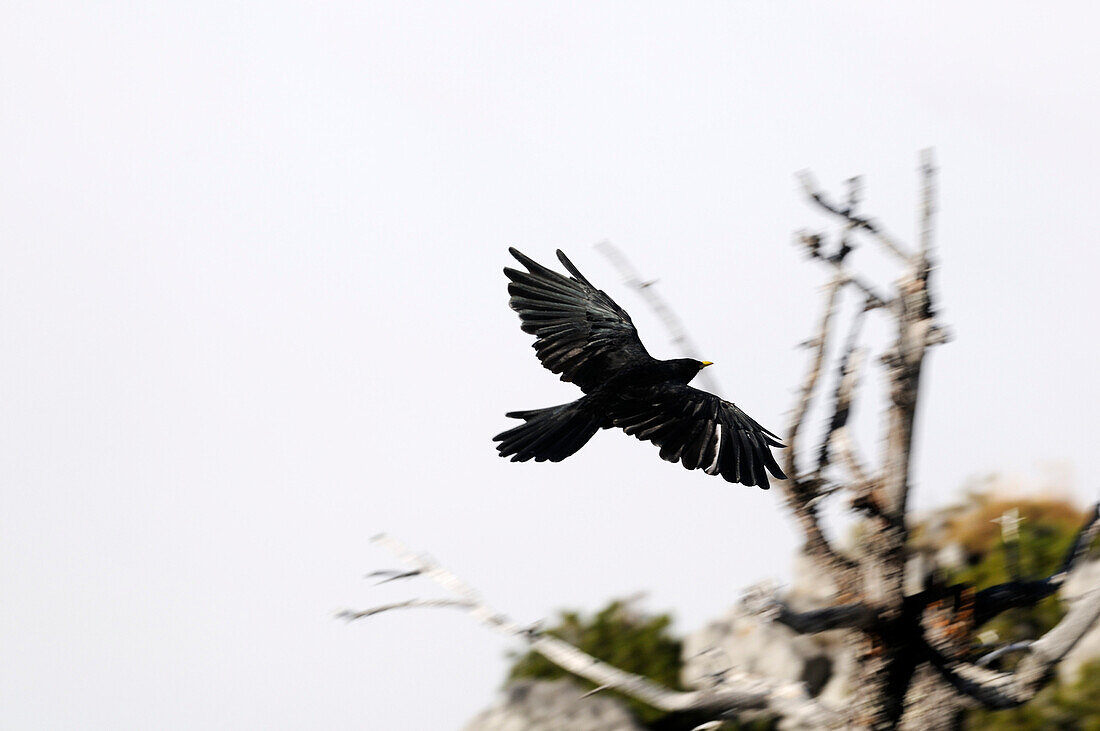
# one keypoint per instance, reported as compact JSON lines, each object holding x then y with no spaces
{"x":918,"y":666}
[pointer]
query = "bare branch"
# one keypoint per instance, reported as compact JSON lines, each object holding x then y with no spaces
{"x":762,"y":600}
{"x":801,"y":492}
{"x":838,"y":439}
{"x":812,"y":244}
{"x":916,"y":329}
{"x":673,"y":324}
{"x":426,"y":566}
{"x":388,"y":576}
{"x":937,"y":335}
{"x":851,"y":361}
{"x":818,"y":344}
{"x":594,"y":691}
{"x":736,"y":692}
{"x":842,"y":616}
{"x":990,"y":658}
{"x":996,"y":599}
{"x":351,"y":615}
{"x":810,"y":187}
{"x":850,"y":372}
{"x":928,"y":200}
{"x":1006,"y":690}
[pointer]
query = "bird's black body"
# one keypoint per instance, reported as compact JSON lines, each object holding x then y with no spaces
{"x":584,"y":336}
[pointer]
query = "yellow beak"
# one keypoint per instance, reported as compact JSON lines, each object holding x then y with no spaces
{"x":705,"y":364}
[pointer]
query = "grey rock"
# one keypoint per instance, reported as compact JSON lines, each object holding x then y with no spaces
{"x":748,"y":643}
{"x":553,"y":705}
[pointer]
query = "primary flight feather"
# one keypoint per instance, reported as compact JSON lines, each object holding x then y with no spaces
{"x":583,"y":335}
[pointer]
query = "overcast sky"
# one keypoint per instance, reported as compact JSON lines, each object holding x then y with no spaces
{"x":253,"y":314}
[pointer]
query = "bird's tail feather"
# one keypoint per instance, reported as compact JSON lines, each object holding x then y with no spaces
{"x":551,"y":434}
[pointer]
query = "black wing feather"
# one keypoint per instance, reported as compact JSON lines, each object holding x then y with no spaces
{"x":701,"y":431}
{"x":581,"y":333}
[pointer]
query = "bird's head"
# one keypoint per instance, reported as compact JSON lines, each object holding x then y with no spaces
{"x":688,"y":368}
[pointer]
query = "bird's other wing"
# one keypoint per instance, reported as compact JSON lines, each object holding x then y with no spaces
{"x":701,"y":431}
{"x":580,"y":332}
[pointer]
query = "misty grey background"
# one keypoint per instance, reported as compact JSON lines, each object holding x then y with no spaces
{"x":252,"y":314}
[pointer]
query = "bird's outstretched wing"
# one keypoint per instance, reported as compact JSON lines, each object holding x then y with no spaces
{"x":580,"y":332}
{"x":701,"y":431}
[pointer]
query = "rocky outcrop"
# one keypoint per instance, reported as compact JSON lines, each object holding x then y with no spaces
{"x":740,"y":641}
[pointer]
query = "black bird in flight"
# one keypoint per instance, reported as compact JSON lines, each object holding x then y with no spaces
{"x":583,"y":335}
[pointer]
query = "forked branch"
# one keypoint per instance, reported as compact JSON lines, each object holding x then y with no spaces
{"x":814,"y":247}
{"x":810,"y":187}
